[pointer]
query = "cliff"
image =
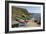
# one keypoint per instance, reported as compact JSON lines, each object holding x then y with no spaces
{"x":19,"y":12}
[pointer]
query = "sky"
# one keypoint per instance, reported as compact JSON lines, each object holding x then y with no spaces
{"x":31,"y":9}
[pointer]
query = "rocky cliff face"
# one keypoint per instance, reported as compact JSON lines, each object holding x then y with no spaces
{"x":19,"y":12}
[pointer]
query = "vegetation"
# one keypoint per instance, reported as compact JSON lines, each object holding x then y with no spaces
{"x":19,"y":13}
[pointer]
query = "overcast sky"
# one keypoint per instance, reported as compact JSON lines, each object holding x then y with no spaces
{"x":31,"y":9}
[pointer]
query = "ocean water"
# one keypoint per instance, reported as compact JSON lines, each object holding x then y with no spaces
{"x":35,"y":15}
